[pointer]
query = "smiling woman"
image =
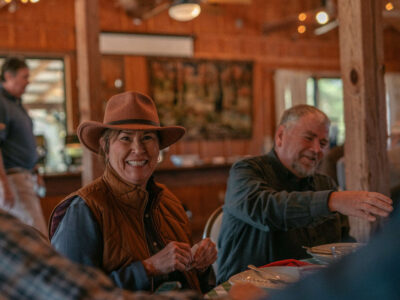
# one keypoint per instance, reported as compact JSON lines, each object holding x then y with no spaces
{"x":134,"y":155}
{"x":130,"y":226}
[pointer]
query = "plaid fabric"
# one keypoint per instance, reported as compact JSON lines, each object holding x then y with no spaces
{"x":31,"y":269}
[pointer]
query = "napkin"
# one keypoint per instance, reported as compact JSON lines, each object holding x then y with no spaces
{"x":287,"y":262}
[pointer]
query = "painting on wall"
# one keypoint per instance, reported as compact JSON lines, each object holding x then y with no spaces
{"x":212,"y":99}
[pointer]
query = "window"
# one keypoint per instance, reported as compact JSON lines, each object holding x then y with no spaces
{"x":294,"y":87}
{"x":327,"y":95}
{"x":44,"y":99}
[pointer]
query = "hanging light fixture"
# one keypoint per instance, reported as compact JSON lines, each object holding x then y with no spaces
{"x":184,"y":10}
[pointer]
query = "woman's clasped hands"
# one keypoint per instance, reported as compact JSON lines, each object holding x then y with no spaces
{"x":179,"y":256}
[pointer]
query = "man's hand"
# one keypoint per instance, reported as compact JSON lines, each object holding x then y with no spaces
{"x":175,"y":256}
{"x":204,"y":254}
{"x":363,"y":204}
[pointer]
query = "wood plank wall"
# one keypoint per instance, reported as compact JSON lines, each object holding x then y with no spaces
{"x":47,"y":29}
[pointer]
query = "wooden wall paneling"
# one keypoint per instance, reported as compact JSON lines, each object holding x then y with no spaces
{"x":209,"y":22}
{"x":362,"y":67}
{"x":71,"y":105}
{"x":21,"y":35}
{"x":269,"y":102}
{"x":27,"y":37}
{"x":237,"y":147}
{"x":392,"y":50}
{"x":259,"y":109}
{"x":205,"y":44}
{"x":59,"y":38}
{"x":111,"y":16}
{"x":89,"y":59}
{"x":58,"y":13}
{"x":211,"y":148}
{"x":136,"y":74}
{"x":185,"y":146}
{"x":112,"y":73}
{"x":7,"y":37}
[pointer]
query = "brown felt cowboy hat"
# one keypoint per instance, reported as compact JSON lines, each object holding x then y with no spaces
{"x":128,"y":111}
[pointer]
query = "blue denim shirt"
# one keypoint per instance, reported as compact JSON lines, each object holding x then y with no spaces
{"x":269,"y":214}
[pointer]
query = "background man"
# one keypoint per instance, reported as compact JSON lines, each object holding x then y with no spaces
{"x":18,"y":147}
{"x":277,"y":203}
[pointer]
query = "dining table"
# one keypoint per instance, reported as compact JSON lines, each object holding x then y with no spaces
{"x":223,"y":288}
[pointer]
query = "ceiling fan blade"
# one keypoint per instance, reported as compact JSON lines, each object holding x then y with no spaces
{"x":144,"y":9}
{"x":155,"y":11}
{"x":327,"y":27}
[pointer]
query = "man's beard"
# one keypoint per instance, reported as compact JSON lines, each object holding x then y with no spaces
{"x":302,"y":171}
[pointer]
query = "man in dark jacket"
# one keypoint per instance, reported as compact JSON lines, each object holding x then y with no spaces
{"x":277,"y":203}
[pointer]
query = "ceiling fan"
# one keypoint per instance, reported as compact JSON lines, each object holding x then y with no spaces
{"x":180,"y":10}
{"x":324,"y":19}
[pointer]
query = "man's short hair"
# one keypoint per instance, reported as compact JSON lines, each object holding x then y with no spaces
{"x":294,"y":113}
{"x":12,"y":65}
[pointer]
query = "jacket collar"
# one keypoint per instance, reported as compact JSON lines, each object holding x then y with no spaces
{"x":123,"y":191}
{"x":7,"y":95}
{"x":284,"y":173}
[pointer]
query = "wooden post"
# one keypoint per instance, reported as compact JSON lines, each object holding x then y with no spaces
{"x":89,"y":79}
{"x":361,"y":56}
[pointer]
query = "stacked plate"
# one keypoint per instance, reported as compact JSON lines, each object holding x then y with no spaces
{"x":328,"y":253}
{"x":270,"y":277}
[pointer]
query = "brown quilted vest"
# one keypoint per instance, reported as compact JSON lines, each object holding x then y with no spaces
{"x":119,"y":210}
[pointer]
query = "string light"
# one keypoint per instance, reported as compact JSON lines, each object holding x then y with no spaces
{"x":322,"y":17}
{"x":302,"y":17}
{"x":301,"y":29}
{"x":389,"y":6}
{"x":22,"y":1}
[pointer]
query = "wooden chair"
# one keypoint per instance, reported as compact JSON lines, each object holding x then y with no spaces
{"x":212,"y":229}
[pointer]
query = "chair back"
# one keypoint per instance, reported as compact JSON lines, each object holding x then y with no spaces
{"x":212,"y":229}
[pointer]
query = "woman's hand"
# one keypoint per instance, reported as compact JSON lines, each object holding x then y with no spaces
{"x":175,"y":256}
{"x":205,"y":253}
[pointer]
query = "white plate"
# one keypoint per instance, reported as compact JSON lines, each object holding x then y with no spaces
{"x":268,"y":277}
{"x":340,"y":248}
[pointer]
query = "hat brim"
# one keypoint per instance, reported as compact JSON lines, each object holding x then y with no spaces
{"x":89,"y":133}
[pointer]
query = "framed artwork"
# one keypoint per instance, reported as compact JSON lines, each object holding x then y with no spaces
{"x":212,"y":99}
